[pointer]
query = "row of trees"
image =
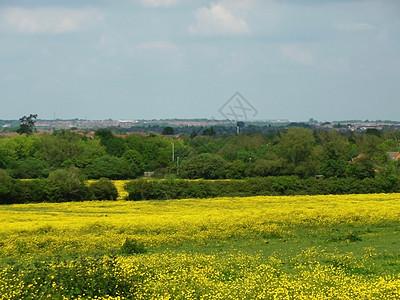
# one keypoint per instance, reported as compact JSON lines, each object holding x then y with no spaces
{"x":60,"y":186}
{"x":297,"y":151}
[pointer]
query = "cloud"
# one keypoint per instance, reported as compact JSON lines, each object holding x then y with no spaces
{"x":218,"y":20}
{"x":163,"y":46}
{"x":295,"y":54}
{"x":239,"y":4}
{"x":48,"y":20}
{"x":159,"y":3}
{"x":353,"y":26}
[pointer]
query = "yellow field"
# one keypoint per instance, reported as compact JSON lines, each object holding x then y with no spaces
{"x":298,"y":247}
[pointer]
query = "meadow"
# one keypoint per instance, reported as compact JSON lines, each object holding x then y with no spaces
{"x":265,"y":247}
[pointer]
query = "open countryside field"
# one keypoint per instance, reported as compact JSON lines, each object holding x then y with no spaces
{"x":299,"y":247}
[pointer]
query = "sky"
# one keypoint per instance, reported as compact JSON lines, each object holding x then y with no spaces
{"x":158,"y":59}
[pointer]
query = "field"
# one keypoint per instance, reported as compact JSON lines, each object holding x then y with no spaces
{"x":300,"y":247}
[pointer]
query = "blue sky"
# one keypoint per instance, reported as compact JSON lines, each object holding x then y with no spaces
{"x":151,"y":59}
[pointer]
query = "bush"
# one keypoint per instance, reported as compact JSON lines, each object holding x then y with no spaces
{"x":30,"y":167}
{"x":206,"y":165}
{"x":132,"y":246}
{"x":66,"y":185}
{"x":284,"y":185}
{"x":6,"y":186}
{"x":25,"y":191}
{"x":108,"y":166}
{"x":103,"y":189}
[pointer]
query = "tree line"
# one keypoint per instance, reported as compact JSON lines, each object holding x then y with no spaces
{"x":296,"y":151}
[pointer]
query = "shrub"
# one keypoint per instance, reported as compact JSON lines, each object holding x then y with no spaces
{"x":66,"y":185}
{"x":29,"y":191}
{"x":132,"y":246}
{"x":284,"y":185}
{"x":103,"y":189}
{"x":30,"y":167}
{"x":206,"y":165}
{"x":6,"y":186}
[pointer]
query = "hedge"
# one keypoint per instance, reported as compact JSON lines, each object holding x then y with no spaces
{"x":153,"y":189}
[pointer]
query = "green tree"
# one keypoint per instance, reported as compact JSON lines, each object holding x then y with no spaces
{"x":103,"y":189}
{"x":27,"y":124}
{"x":67,"y":185}
{"x":296,"y":147}
{"x":107,"y":166}
{"x":29,"y":168}
{"x":19,"y":147}
{"x":6,"y":187}
{"x":114,"y":145}
{"x":59,"y":149}
{"x":3,"y":160}
{"x":193,"y":134}
{"x":209,"y":131}
{"x":335,"y":161}
{"x":267,"y":167}
{"x":361,"y":167}
{"x":206,"y":165}
{"x":168,"y":131}
{"x":134,"y":162}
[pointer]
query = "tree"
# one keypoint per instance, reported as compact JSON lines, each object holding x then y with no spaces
{"x":66,"y":185}
{"x":27,"y":124}
{"x":103,"y":189}
{"x":168,"y":131}
{"x":206,"y":165}
{"x":6,"y":186}
{"x":296,"y":147}
{"x":134,"y":163}
{"x":107,"y":166}
{"x":28,"y":168}
{"x":114,"y":145}
{"x":193,"y":134}
{"x":3,"y":160}
{"x":209,"y":131}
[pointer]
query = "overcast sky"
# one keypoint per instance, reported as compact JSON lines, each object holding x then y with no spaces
{"x":151,"y":59}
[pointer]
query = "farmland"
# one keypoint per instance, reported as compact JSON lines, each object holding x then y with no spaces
{"x":298,"y":247}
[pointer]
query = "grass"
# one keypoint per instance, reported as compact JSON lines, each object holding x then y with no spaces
{"x":223,"y":248}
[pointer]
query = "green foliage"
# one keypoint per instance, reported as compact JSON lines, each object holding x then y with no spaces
{"x":30,"y":167}
{"x":108,"y":166}
{"x":296,"y":145}
{"x":92,"y":277}
{"x":103,"y":189}
{"x":27,"y":124}
{"x":270,"y":167}
{"x":193,"y":134}
{"x":6,"y":186}
{"x":296,"y":151}
{"x":132,"y":246}
{"x":3,"y":160}
{"x":168,"y":131}
{"x":144,"y":189}
{"x":114,"y":145}
{"x":209,"y":131}
{"x":361,"y":168}
{"x":66,"y":185}
{"x":30,"y":191}
{"x":134,"y":163}
{"x":349,"y":237}
{"x":19,"y":147}
{"x":65,"y":148}
{"x":207,"y":166}
{"x":155,"y":152}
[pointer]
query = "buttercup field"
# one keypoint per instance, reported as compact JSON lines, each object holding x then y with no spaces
{"x":198,"y":150}
{"x":302,"y":247}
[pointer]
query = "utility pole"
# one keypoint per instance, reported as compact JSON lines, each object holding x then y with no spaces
{"x":173,"y":151}
{"x":177,"y":165}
